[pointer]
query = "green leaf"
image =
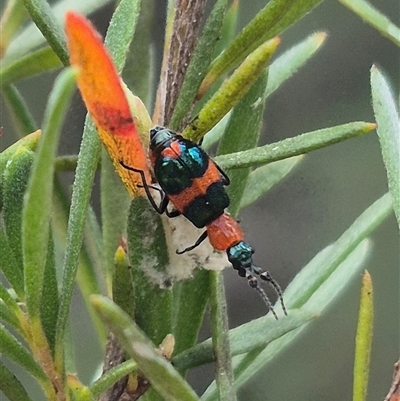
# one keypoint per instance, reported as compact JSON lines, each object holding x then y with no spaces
{"x":231,"y":91}
{"x":78,"y":391}
{"x":114,"y":197}
{"x":87,"y":164}
{"x":115,"y":203}
{"x":91,"y":258}
{"x":43,"y":17}
{"x":31,"y":37}
{"x":138,"y":73}
{"x":50,"y":302}
{"x":14,"y":350}
{"x":328,"y":292}
{"x":228,"y":29}
{"x":11,"y":387}
{"x":148,"y":255}
{"x":9,"y":266}
{"x":82,"y":187}
{"x":227,"y":35}
{"x":199,"y":63}
{"x":15,"y":182}
{"x":262,"y":179}
{"x":289,"y":62}
{"x":320,"y":282}
{"x":161,"y":374}
{"x":90,"y":255}
{"x":82,"y":394}
{"x":296,"y":294}
{"x":247,"y":366}
{"x":254,"y":335}
{"x":13,"y":16}
{"x":7,"y":315}
{"x":242,"y":133}
{"x":375,"y":18}
{"x":363,"y":340}
{"x":121,"y":30}
{"x":22,"y":118}
{"x":122,"y":287}
{"x":215,"y":134}
{"x":298,"y":145}
{"x":38,"y":201}
{"x":388,"y":120}
{"x":112,"y":376}
{"x":273,"y":19}
{"x":190,"y":299}
{"x":9,"y":309}
{"x":220,"y":339}
{"x":29,"y":142}
{"x":317,"y":285}
{"x":244,"y":124}
{"x":32,"y":64}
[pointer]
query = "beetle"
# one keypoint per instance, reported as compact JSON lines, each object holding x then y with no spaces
{"x":195,"y":185}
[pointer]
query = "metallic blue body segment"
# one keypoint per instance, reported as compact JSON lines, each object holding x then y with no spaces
{"x":240,"y":255}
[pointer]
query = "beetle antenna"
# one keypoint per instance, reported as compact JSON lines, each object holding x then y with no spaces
{"x":253,"y":282}
{"x":266,"y":276}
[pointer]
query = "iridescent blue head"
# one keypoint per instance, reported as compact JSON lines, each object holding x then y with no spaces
{"x":240,"y":255}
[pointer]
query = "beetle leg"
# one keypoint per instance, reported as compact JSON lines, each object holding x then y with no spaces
{"x":225,"y":178}
{"x":164,"y":201}
{"x":195,"y":245}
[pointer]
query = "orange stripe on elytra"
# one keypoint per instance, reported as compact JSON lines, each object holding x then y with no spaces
{"x":199,"y":187}
{"x":173,"y":151}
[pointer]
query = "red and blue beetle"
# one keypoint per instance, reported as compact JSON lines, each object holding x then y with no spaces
{"x":195,"y":186}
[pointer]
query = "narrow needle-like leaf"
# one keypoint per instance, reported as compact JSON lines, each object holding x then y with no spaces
{"x":13,"y":16}
{"x":15,"y":351}
{"x":231,"y":91}
{"x":363,"y":340}
{"x":42,"y":15}
{"x":162,"y":375}
{"x":199,"y":63}
{"x":375,"y":18}
{"x":220,"y":339}
{"x":32,"y":64}
{"x":81,"y":31}
{"x":37,"y":210}
{"x":242,"y":133}
{"x":263,"y":178}
{"x":10,"y":386}
{"x":24,"y":122}
{"x":31,"y":38}
{"x":275,"y":17}
{"x":289,"y":62}
{"x":388,"y":119}
{"x":297,"y":145}
{"x":112,"y":376}
{"x":248,"y":337}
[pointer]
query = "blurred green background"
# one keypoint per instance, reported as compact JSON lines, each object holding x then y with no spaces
{"x":311,"y":209}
